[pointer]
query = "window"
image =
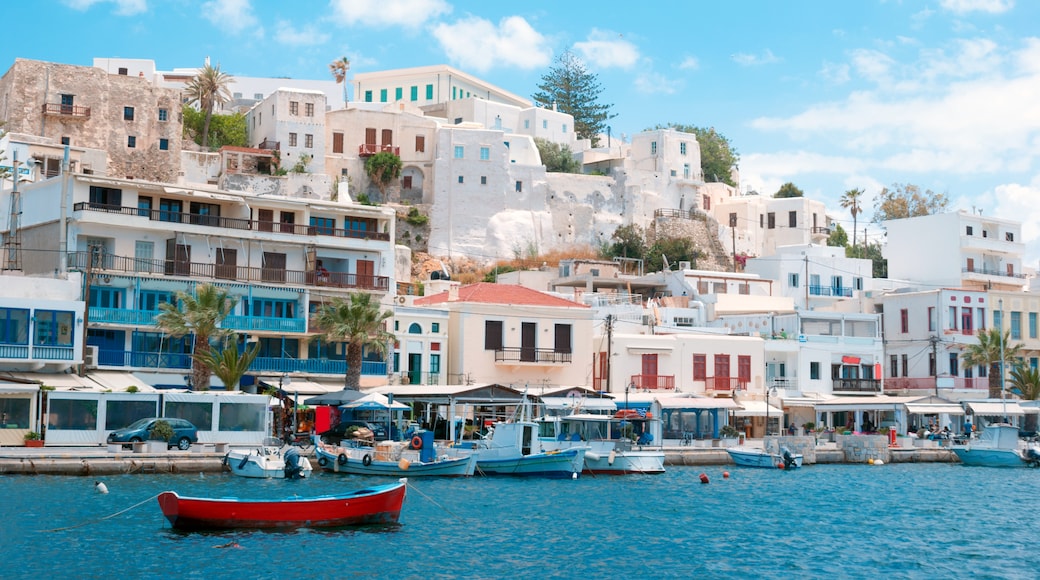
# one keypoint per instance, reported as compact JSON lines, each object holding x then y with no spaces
{"x":931,"y":318}
{"x":565,"y":128}
{"x":893,"y":365}
{"x":792,"y":219}
{"x":857,"y":283}
{"x":128,"y":113}
{"x":144,"y":252}
{"x":700,"y":367}
{"x":462,"y":179}
{"x":485,"y":153}
{"x":1032,"y":325}
{"x":368,"y":96}
{"x":792,"y":280}
{"x":998,"y":319}
{"x":14,"y":326}
{"x":292,"y":139}
{"x":429,"y":92}
{"x":1009,"y":236}
{"x":493,"y":335}
{"x":953,"y":365}
{"x":562,"y":338}
{"x":169,"y":210}
{"x":772,"y":220}
{"x":382,"y":95}
{"x":527,"y":123}
{"x":420,"y":144}
{"x":164,"y":115}
{"x":814,"y":371}
{"x":52,"y":328}
{"x":906,"y":366}
{"x":105,"y":196}
{"x":969,"y":230}
{"x":66,"y":141}
{"x":308,"y":109}
{"x":435,"y":327}
{"x":294,"y":107}
{"x":268,"y":308}
{"x":966,"y":322}
{"x":953,"y":317}
{"x":904,"y":321}
{"x":323,"y":225}
{"x":1016,"y":325}
{"x":308,"y":140}
{"x":337,"y":142}
{"x":258,"y":96}
{"x":435,"y":364}
{"x":164,"y":144}
{"x":483,"y":179}
{"x":682,"y":148}
{"x":459,"y":151}
{"x":653,"y":147}
{"x":519,"y":186}
{"x":398,"y":93}
{"x":131,"y":141}
{"x":415,"y":93}
{"x":101,"y":297}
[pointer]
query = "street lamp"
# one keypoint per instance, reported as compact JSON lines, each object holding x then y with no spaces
{"x":769,"y":391}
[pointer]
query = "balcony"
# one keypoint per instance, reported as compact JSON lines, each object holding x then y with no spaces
{"x":198,"y":270}
{"x":128,"y":317}
{"x":856,"y":385}
{"x":75,"y":112}
{"x":36,"y":352}
{"x":226,"y":223}
{"x":820,"y":231}
{"x":370,"y":149}
{"x":724,"y":384}
{"x":532,"y":355}
{"x":991,"y":272}
{"x":689,"y":214}
{"x":170,"y":360}
{"x":929,"y":383}
{"x":269,"y":145}
{"x":653,"y":382}
{"x":830,"y":291}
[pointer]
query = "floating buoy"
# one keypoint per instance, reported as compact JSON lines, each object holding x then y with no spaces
{"x":725,"y":475}
{"x":100,"y":487}
{"x":404,"y":464}
{"x":870,"y":461}
{"x":780,"y":465}
{"x":574,"y":475}
{"x":704,"y":477}
{"x":878,"y":462}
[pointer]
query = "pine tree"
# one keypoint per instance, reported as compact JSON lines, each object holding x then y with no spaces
{"x":575,"y":91}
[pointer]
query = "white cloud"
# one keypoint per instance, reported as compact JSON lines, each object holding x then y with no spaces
{"x":872,"y":65}
{"x":652,"y":83}
{"x":123,"y":7}
{"x":690,"y":63}
{"x":605,"y":49}
{"x":233,"y":16}
{"x":837,"y":73}
{"x":965,"y":6}
{"x":1019,"y":202}
{"x":746,"y":59}
{"x":477,"y":44}
{"x":286,"y":33}
{"x":385,"y":13}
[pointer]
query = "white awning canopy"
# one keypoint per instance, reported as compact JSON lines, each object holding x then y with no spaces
{"x":578,"y":404}
{"x":757,"y":409}
{"x":696,"y":403}
{"x":933,"y":409}
{"x":998,"y":408}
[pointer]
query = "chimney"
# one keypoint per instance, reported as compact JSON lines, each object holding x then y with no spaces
{"x":453,"y":293}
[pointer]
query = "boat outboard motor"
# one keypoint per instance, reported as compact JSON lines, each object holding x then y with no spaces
{"x":789,"y":460}
{"x":292,"y":464}
{"x":1033,"y":457}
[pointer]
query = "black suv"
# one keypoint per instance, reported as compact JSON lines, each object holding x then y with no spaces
{"x":339,"y":432}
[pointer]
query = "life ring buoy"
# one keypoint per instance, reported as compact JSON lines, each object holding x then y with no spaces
{"x":323,"y":461}
{"x":342,"y":459}
{"x":366,"y":460}
{"x":416,"y":442}
{"x":627,"y":414}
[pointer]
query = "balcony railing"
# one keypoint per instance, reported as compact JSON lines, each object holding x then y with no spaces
{"x":369,"y":149}
{"x":154,"y":360}
{"x":857,"y":385}
{"x":72,"y":111}
{"x":198,"y":270}
{"x":675,"y":213}
{"x":724,"y":384}
{"x":265,"y":324}
{"x":227,"y":223}
{"x":532,"y":355}
{"x":830,"y":291}
{"x":269,"y":144}
{"x":652,"y":382}
{"x":821,"y":231}
{"x":23,"y":352}
{"x":989,"y":272}
{"x":928,"y":383}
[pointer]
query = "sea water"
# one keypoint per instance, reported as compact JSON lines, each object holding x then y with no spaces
{"x":931,"y":521}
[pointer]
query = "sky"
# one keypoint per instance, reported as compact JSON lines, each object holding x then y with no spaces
{"x":830,"y":96}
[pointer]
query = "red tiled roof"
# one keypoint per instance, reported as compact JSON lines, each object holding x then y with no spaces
{"x":506,"y":294}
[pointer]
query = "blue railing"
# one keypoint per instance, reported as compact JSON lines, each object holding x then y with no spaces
{"x":830,"y":291}
{"x":265,"y":324}
{"x":53,"y":353}
{"x":153,"y":360}
{"x":123,"y":316}
{"x":14,"y":351}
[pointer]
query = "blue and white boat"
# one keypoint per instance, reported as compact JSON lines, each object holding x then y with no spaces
{"x":751,"y":457}
{"x":997,"y":446}
{"x":607,"y":439}
{"x":513,"y":448}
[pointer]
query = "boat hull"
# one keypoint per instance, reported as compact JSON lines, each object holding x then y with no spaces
{"x":371,"y":505}
{"x":759,"y":458}
{"x":565,"y":463}
{"x":990,"y":457}
{"x":352,"y":462}
{"x":624,"y":462}
{"x":262,"y":465}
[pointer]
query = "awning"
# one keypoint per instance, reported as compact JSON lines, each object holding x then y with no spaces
{"x":119,"y":382}
{"x":757,"y":409}
{"x":867,"y":403}
{"x":933,"y":409}
{"x":59,"y":381}
{"x":578,"y":404}
{"x":696,"y":403}
{"x":375,"y":402}
{"x":335,"y":398}
{"x":997,"y":408}
{"x":301,"y":386}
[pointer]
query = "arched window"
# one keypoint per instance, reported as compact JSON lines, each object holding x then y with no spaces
{"x":414,"y":328}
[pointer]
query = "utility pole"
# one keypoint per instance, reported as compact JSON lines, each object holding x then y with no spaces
{"x":733,"y":231}
{"x":935,"y":357}
{"x":610,"y":338}
{"x":807,"y":282}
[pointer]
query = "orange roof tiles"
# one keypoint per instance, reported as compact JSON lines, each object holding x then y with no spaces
{"x":506,"y":294}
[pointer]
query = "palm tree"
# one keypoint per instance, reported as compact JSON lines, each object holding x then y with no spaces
{"x":987,"y":352}
{"x":208,"y":89}
{"x":228,"y":364}
{"x":851,"y":202}
{"x":199,"y":314}
{"x":359,"y":322}
{"x":339,"y":68}
{"x":1025,"y":380}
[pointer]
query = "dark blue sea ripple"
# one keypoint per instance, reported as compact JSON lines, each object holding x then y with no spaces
{"x":890,"y":521}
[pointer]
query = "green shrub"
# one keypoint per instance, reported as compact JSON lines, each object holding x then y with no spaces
{"x":161,"y":431}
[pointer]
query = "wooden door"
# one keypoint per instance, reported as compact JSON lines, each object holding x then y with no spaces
{"x":366,"y":271}
{"x":528,"y":340}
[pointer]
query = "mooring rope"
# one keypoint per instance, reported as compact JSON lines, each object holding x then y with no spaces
{"x":430,"y":499}
{"x":104,"y":518}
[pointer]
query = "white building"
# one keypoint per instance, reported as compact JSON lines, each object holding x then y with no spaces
{"x":815,"y":277}
{"x":291,"y":122}
{"x":758,"y":226}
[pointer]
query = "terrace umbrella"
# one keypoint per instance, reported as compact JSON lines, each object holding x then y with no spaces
{"x":335,"y":398}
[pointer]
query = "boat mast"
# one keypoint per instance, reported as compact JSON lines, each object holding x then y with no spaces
{"x":1003,"y":400}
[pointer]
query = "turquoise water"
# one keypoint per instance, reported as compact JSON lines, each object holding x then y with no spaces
{"x":931,"y":521}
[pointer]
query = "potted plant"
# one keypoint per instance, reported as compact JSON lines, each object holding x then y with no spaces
{"x":33,"y":439}
{"x":730,"y":435}
{"x":159,"y":436}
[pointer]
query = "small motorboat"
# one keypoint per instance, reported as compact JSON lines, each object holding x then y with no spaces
{"x":515,"y":449}
{"x":416,"y":457}
{"x":750,"y":457}
{"x":380,"y":504}
{"x":998,"y":446}
{"x":272,"y":460}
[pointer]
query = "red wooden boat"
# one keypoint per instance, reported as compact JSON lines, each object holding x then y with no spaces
{"x":378,"y":504}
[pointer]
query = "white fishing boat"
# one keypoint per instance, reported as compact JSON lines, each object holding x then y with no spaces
{"x":997,"y":446}
{"x":616,"y":444}
{"x":272,"y":460}
{"x":514,"y":448}
{"x":752,"y":457}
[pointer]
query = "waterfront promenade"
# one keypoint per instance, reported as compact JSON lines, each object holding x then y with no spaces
{"x":99,"y":460}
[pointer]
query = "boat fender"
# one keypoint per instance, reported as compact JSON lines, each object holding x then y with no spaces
{"x":342,"y":459}
{"x":323,"y":461}
{"x":245,"y":460}
{"x":224,"y":461}
{"x":416,"y":442}
{"x":593,"y":455}
{"x":610,"y":458}
{"x":366,"y":460}
{"x":704,"y":478}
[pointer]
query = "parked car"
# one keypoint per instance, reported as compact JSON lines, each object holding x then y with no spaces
{"x":339,"y":432}
{"x":184,"y":433}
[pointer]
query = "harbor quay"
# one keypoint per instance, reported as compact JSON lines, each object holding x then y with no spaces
{"x":106,"y":460}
